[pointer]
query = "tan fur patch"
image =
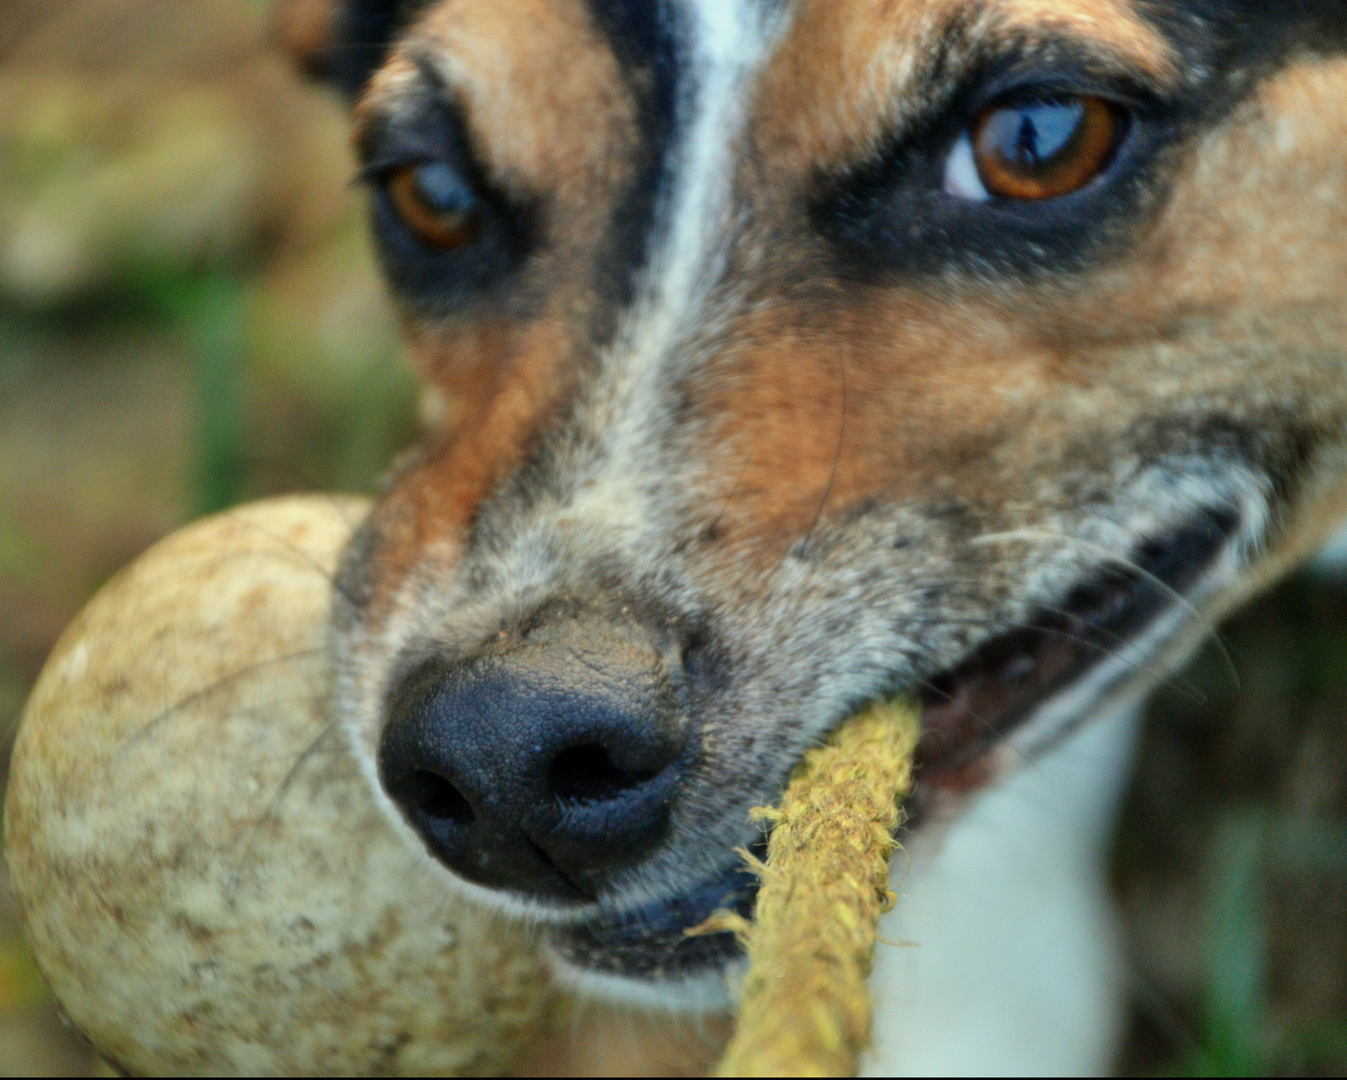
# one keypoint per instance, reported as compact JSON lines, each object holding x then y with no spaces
{"x":543,"y":94}
{"x":504,"y":378}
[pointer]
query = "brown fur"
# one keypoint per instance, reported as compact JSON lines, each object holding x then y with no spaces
{"x":1230,"y":305}
{"x":518,"y":91}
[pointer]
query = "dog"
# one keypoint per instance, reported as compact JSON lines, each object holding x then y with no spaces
{"x":802,"y":353}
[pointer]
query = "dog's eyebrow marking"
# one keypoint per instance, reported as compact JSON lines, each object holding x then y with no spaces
{"x":1110,"y":27}
{"x":891,"y":64}
{"x":548,"y":107}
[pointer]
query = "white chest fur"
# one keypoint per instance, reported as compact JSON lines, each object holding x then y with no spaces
{"x":1011,"y":961}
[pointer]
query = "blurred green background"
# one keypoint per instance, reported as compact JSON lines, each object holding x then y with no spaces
{"x":189,"y":317}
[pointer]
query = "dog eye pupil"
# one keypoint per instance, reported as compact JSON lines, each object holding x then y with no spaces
{"x":1027,"y":137}
{"x":441,"y":188}
{"x":1044,"y":148}
{"x":435,"y":204}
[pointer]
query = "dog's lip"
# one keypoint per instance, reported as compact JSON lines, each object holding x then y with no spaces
{"x":966,"y":711}
{"x":652,"y":942}
{"x":969,"y":708}
{"x":734,"y":889}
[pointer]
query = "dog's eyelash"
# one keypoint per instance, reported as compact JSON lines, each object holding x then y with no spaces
{"x":376,"y":172}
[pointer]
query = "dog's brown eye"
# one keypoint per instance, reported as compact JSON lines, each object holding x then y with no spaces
{"x":435,"y":204}
{"x":1044,"y":148}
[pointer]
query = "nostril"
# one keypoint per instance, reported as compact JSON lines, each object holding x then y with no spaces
{"x":436,"y":798}
{"x":586,"y":774}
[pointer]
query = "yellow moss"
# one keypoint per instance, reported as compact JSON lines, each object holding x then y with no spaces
{"x":805,"y":1009}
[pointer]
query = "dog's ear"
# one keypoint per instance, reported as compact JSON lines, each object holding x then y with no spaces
{"x":341,"y":41}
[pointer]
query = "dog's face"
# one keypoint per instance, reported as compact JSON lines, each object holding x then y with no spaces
{"x":802,"y":353}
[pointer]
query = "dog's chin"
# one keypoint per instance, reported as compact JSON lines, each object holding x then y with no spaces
{"x":643,"y":955}
{"x":698,"y":991}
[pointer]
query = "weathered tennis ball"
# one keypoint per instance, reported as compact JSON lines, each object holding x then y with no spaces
{"x":206,"y":882}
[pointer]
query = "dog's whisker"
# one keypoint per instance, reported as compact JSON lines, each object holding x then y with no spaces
{"x":714,"y":528}
{"x":981,"y":719}
{"x":801,"y":544}
{"x":310,"y":748}
{"x":1173,"y":1027}
{"x":1176,"y":680}
{"x":1049,"y":536}
{"x":270,"y":810}
{"x":841,"y":369}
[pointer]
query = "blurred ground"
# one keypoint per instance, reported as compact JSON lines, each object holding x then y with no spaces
{"x":189,"y":317}
{"x":1231,"y":861}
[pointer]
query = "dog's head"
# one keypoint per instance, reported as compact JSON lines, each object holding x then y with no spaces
{"x":802,"y":353}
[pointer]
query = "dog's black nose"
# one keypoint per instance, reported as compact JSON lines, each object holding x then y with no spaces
{"x":543,"y":769}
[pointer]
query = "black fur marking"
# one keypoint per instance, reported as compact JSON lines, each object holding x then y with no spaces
{"x":651,"y":944}
{"x":1250,"y":33}
{"x":646,"y":42}
{"x":891,"y":215}
{"x":365,"y":31}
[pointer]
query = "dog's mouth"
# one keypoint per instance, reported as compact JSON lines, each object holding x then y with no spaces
{"x":967,"y":711}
